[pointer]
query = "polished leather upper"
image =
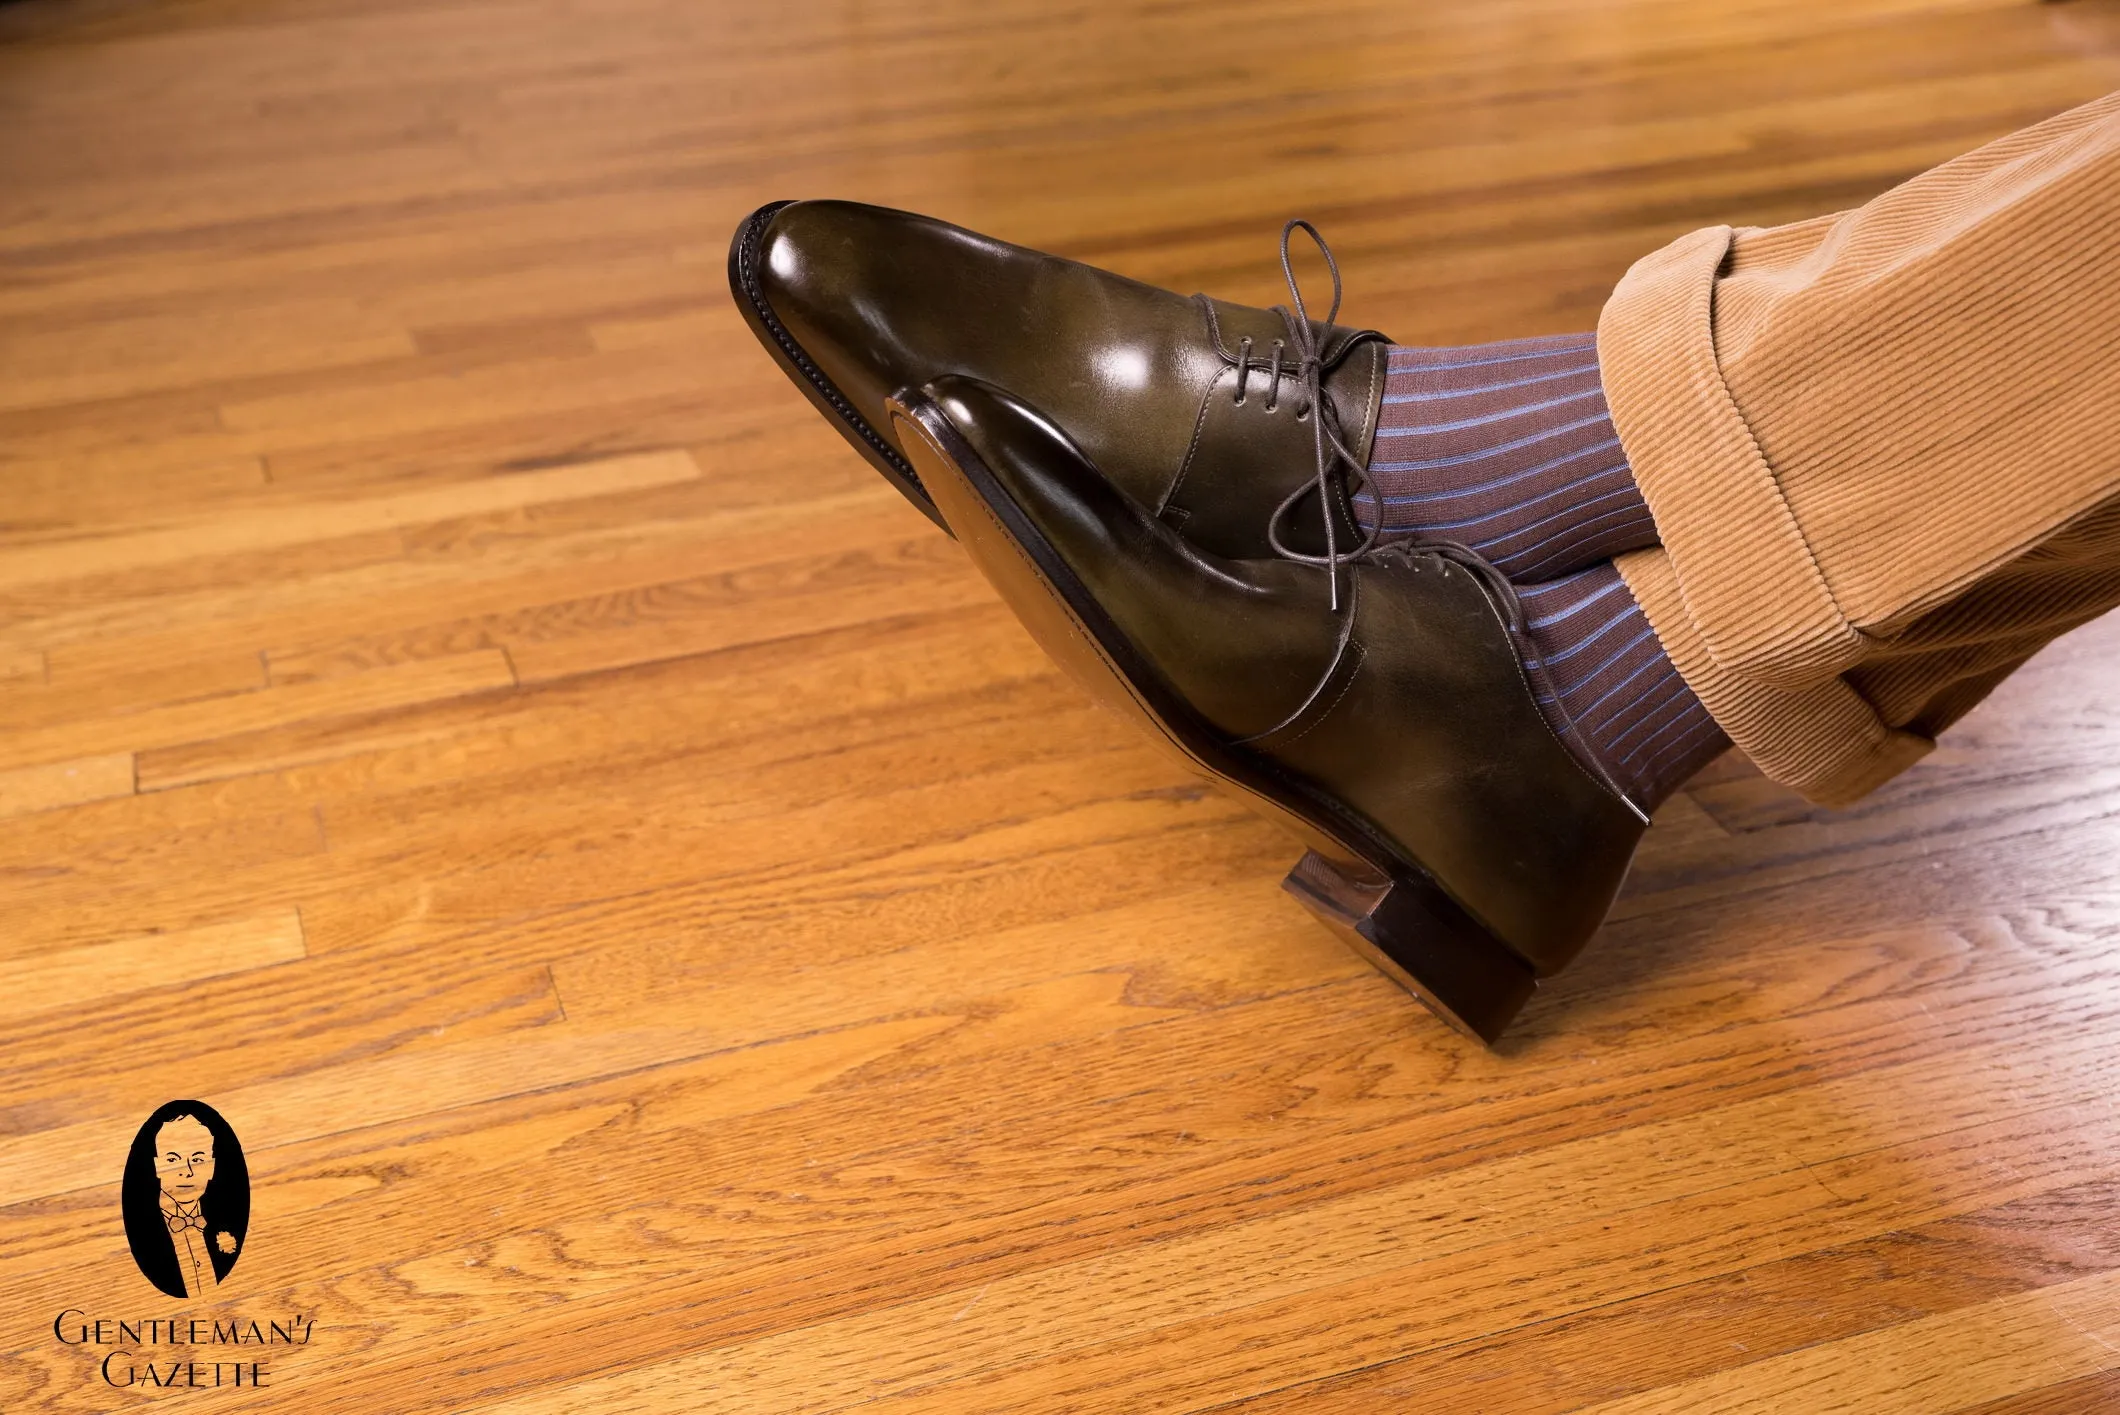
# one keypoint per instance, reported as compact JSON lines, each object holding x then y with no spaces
{"x":1145,"y":382}
{"x":1406,"y":706}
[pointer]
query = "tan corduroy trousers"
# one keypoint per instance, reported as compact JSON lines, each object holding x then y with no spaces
{"x":1882,"y":449}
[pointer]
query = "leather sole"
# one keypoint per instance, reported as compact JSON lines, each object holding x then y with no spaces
{"x":745,"y":252}
{"x":1388,"y":907}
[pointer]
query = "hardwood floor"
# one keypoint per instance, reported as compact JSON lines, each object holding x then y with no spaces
{"x":668,"y":942}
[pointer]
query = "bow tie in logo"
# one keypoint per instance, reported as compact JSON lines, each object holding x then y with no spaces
{"x":183,"y":1219}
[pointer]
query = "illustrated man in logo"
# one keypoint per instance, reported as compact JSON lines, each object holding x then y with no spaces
{"x":186,"y":1198}
{"x":184,"y":1167}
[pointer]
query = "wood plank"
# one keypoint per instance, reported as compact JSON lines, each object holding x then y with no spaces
{"x":378,"y":690}
{"x":128,"y":683}
{"x":374,"y":1092}
{"x":2084,"y":1393}
{"x":26,"y":789}
{"x":466,"y":566}
{"x":51,"y":500}
{"x":265,"y":529}
{"x":1808,"y":1301}
{"x":93,"y":361}
{"x":1946,"y":1362}
{"x":1196,"y":1361}
{"x":79,"y":976}
{"x":283,"y":1024}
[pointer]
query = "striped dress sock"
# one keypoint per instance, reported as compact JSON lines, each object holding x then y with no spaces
{"x":1621,"y":702}
{"x":1507,"y":448}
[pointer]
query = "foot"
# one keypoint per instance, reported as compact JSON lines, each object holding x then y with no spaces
{"x":1389,"y":725}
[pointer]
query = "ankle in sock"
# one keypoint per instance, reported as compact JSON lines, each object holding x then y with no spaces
{"x":1508,"y":448}
{"x":1614,"y":697}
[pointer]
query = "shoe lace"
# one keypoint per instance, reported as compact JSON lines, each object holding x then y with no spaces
{"x":1328,"y":436}
{"x":1328,"y":431}
{"x":1499,"y":587}
{"x":1334,"y":458}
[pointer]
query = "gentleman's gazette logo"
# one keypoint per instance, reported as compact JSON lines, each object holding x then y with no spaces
{"x":186,"y":1200}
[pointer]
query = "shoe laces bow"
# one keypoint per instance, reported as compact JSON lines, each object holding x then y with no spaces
{"x":1333,"y":456}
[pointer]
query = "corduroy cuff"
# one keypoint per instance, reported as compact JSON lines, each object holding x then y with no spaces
{"x":1750,"y":585}
{"x":1823,"y":741}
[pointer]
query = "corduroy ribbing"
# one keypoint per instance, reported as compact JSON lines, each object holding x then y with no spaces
{"x":1823,"y":741}
{"x":1742,"y":561}
{"x":1932,"y":377}
{"x":1610,"y":691}
{"x":1847,"y":426}
{"x":1508,"y":448}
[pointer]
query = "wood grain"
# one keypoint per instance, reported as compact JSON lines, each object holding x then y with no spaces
{"x":111,"y":970}
{"x":669,"y":942}
{"x":65,"y":783}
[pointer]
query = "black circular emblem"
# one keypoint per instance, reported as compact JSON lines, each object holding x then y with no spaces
{"x":187,"y":1198}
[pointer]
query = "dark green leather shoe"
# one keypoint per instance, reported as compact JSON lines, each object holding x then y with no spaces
{"x":1451,"y":834}
{"x":1200,"y":410}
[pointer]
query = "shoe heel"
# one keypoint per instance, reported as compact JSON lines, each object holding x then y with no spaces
{"x":1422,"y":939}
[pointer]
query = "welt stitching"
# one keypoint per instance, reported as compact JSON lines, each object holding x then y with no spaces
{"x":748,"y":264}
